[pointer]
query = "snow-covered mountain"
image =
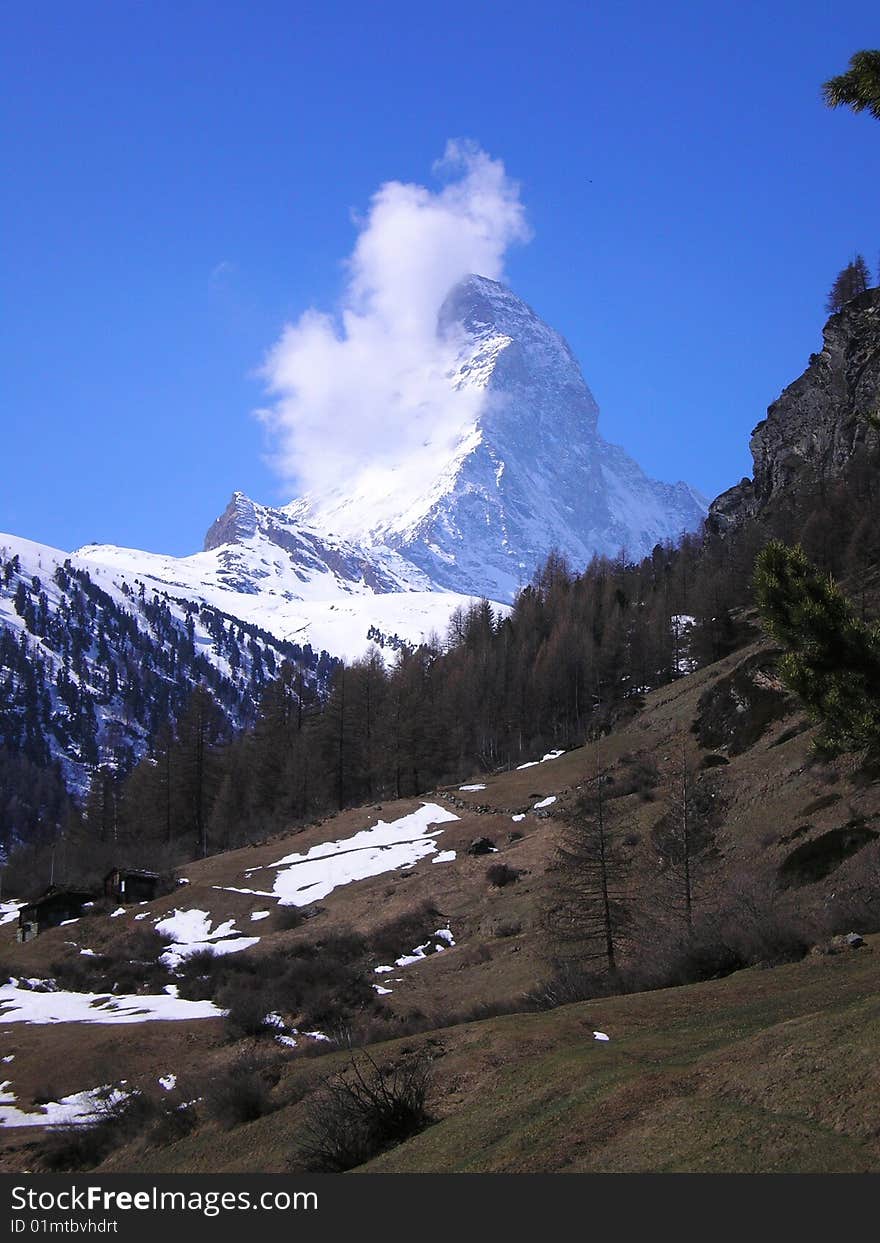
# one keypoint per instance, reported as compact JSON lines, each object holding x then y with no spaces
{"x":94,"y":661}
{"x":385,"y":558}
{"x":394,"y":552}
{"x":300,"y":585}
{"x":527,"y":473}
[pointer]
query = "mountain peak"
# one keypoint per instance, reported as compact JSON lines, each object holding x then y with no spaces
{"x":477,"y":303}
{"x":526,"y":471}
{"x":237,"y":522}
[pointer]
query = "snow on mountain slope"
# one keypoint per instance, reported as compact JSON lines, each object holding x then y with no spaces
{"x":525,"y":472}
{"x":337,"y":602}
{"x":93,"y":661}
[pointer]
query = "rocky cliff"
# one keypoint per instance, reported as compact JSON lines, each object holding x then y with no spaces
{"x":818,"y":425}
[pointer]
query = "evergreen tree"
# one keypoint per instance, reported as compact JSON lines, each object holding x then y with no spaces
{"x":859,"y":87}
{"x":851,"y":281}
{"x":831,"y":660}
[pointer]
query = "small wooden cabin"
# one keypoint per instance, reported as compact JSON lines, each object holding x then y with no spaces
{"x":131,"y":885}
{"x":55,"y":907}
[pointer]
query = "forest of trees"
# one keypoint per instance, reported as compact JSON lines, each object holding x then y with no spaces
{"x":87,"y":684}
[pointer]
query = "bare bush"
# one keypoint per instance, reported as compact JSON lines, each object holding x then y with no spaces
{"x":501,"y":874}
{"x":362,"y":1110}
{"x":242,"y":1093}
{"x":85,"y":1145}
{"x":396,"y":936}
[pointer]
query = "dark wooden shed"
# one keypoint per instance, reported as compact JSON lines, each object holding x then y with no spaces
{"x":131,"y":885}
{"x":55,"y":907}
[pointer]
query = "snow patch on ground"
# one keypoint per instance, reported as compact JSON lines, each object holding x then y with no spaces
{"x":436,"y":943}
{"x":25,"y":1005}
{"x":9,"y":912}
{"x":386,"y":847}
{"x":551,"y":755}
{"x":254,"y":893}
{"x":445,"y":856}
{"x":475,"y":787}
{"x":545,"y":802}
{"x":75,"y":1110}
{"x":191,"y":933}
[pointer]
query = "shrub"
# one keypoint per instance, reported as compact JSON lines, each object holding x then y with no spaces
{"x":855,"y":904}
{"x":85,"y":1145}
{"x":129,"y":965}
{"x":399,"y":935}
{"x":248,"y":1002}
{"x":315,"y":983}
{"x":242,"y":1093}
{"x":749,"y":928}
{"x":500,"y":875}
{"x":362,"y":1110}
{"x":639,"y":776}
{"x":289,"y":917}
{"x":175,"y":1120}
{"x":569,"y":983}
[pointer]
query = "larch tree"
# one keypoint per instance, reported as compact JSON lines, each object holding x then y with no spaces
{"x":684,"y":835}
{"x":587,"y":914}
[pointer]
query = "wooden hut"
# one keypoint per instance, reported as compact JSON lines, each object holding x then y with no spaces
{"x":131,"y":885}
{"x":56,"y":906}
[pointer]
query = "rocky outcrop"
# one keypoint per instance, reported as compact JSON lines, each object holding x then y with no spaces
{"x":237,"y":522}
{"x":819,"y":423}
{"x":740,"y":707}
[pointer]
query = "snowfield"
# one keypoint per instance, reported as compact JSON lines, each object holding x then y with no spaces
{"x":25,"y":1005}
{"x":386,"y":847}
{"x":191,"y":933}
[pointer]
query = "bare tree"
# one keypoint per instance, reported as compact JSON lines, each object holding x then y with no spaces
{"x":587,"y":914}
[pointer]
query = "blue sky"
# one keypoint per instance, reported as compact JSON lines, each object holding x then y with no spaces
{"x":184,"y":178}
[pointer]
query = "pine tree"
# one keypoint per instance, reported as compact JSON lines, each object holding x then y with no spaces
{"x":851,"y":281}
{"x":832,"y":660}
{"x":859,"y":87}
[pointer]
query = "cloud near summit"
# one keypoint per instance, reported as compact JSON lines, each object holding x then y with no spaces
{"x":359,"y":392}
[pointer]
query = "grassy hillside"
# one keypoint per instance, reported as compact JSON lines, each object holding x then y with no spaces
{"x":766,"y":1069}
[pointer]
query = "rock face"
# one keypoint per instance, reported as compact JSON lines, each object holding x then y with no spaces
{"x":247,"y":525}
{"x":529,"y":473}
{"x":813,"y":430}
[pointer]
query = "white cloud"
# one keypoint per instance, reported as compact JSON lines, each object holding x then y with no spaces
{"x":354,"y":395}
